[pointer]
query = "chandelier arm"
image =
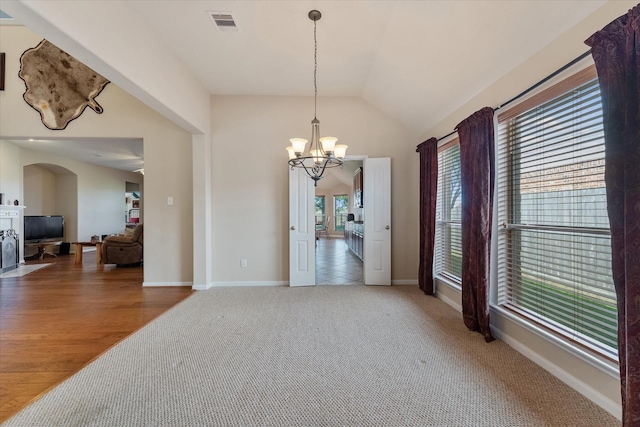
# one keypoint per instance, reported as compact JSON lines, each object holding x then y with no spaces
{"x":312,"y":176}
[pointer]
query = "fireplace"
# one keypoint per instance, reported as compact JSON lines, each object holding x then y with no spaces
{"x":9,"y":250}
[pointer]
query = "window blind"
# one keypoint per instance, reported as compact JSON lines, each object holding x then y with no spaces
{"x":554,"y":252}
{"x":448,"y":256}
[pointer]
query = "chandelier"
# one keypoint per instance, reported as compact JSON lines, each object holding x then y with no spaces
{"x":323,"y":152}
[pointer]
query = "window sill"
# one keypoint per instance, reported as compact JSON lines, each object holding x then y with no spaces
{"x":446,"y":280}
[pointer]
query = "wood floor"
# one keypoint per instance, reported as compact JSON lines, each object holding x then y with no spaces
{"x":56,"y":320}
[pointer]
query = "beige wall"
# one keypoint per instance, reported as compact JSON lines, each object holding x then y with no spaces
{"x":250,"y":197}
{"x":167,"y":151}
{"x":39,"y":191}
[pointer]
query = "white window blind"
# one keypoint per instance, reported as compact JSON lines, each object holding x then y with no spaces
{"x":448,"y":245}
{"x":554,"y":256}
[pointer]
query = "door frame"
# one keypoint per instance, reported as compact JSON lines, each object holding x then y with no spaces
{"x":361,"y":157}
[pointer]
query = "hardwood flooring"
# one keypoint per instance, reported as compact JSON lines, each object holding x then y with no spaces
{"x":55,"y":320}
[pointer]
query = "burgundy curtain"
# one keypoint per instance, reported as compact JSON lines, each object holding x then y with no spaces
{"x":428,"y":191}
{"x":477,"y":176}
{"x":616,"y":51}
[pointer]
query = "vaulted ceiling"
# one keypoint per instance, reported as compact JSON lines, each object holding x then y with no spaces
{"x":418,"y":61}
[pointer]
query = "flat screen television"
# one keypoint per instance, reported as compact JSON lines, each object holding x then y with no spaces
{"x":38,"y":228}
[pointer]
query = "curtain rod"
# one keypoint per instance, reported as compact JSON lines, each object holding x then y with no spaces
{"x":526,"y":91}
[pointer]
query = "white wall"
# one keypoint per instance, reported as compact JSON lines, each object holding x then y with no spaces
{"x":167,"y":149}
{"x":251,"y":204}
{"x":10,"y":170}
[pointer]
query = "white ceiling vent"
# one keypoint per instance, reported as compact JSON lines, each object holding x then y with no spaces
{"x":223,"y":20}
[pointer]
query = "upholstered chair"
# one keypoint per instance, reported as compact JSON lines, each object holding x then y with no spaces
{"x":123,"y":250}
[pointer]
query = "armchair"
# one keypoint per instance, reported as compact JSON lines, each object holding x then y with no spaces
{"x":123,"y":250}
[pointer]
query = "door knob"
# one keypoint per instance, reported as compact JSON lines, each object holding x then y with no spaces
{"x":387,"y":227}
{"x":293,"y":227}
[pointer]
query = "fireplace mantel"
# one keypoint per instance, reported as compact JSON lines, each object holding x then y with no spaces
{"x":10,"y":213}
{"x":9,"y":208}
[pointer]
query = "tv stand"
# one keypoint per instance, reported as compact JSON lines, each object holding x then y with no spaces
{"x":42,"y":250}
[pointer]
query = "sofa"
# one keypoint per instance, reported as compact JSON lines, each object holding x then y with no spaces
{"x":124,"y":250}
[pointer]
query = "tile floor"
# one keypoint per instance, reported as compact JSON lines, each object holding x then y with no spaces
{"x":336,"y":264}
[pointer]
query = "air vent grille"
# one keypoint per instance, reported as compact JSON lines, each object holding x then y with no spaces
{"x":223,"y":21}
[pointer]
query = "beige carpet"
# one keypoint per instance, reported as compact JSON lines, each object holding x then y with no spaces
{"x":22,"y":270}
{"x":320,"y":356}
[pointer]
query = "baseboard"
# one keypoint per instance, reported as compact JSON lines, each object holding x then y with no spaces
{"x":449,"y":301}
{"x":405,"y":282}
{"x":255,"y":283}
{"x":589,"y":392}
{"x":160,"y":284}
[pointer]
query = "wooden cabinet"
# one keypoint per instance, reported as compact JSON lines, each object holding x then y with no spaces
{"x":358,"y":189}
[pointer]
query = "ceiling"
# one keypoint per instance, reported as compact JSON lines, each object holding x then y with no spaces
{"x":118,"y":153}
{"x":418,"y":61}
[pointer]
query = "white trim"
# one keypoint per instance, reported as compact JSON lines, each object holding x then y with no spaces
{"x":162,"y":284}
{"x":201,"y":287}
{"x":449,"y":302}
{"x":404,"y":282}
{"x":450,"y":283}
{"x":585,"y":356}
{"x":232,"y":283}
{"x":444,"y":282}
{"x":589,"y":392}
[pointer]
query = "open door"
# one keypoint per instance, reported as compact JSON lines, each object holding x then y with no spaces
{"x":302,"y":234}
{"x":377,"y":224}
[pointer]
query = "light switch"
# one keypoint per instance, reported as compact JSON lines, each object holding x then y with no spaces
{"x":170,"y":201}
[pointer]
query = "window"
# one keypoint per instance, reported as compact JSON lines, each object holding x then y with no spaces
{"x":319,"y":209}
{"x":554,"y":254}
{"x":448,"y":244}
{"x":340,"y":208}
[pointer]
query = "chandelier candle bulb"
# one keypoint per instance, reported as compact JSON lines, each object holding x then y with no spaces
{"x":340,"y":151}
{"x":328,"y":143}
{"x":298,"y":144}
{"x":292,"y":154}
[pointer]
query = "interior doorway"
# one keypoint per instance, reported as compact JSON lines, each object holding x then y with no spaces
{"x":336,"y":215}
{"x":133,"y":204}
{"x":375,"y":230}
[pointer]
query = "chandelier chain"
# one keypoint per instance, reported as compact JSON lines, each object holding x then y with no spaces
{"x":315,"y":70}
{"x":317,"y":159}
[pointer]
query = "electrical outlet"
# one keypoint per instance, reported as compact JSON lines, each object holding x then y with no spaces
{"x":170,"y":201}
{"x":243,"y":263}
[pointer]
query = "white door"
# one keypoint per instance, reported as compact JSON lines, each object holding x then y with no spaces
{"x":302,"y":234}
{"x":377,"y":221}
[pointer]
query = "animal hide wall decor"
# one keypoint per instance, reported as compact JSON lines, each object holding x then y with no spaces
{"x":59,"y":86}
